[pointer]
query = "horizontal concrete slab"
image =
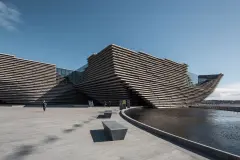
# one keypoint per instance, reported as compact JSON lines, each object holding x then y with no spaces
{"x":76,"y":133}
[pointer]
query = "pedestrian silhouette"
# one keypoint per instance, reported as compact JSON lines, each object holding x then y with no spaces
{"x":44,"y":105}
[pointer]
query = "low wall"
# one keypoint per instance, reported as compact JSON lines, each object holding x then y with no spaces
{"x":204,"y":149}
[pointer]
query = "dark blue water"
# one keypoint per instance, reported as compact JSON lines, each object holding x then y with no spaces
{"x":215,"y":128}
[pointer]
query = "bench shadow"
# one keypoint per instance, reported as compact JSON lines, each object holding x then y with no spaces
{"x":21,"y":152}
{"x":68,"y":130}
{"x":77,"y":125}
{"x":99,"y":136}
{"x":50,"y":139}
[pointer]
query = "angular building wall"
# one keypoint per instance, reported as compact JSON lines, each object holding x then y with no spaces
{"x":26,"y":82}
{"x":117,"y":73}
{"x":114,"y":74}
{"x":162,"y":82}
{"x":101,"y":83}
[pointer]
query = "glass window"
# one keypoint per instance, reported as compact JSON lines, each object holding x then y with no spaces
{"x":63,"y":72}
{"x":57,"y":70}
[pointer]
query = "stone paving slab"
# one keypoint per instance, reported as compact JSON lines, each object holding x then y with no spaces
{"x":67,"y":133}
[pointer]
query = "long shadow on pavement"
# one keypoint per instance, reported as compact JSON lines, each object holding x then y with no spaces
{"x":50,"y":139}
{"x":69,"y":130}
{"x":24,"y":150}
{"x":21,"y":152}
{"x":77,"y":125}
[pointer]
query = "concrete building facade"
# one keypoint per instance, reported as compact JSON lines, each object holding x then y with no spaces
{"x":113,"y":74}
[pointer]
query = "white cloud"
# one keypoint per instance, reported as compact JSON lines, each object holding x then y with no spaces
{"x":227,"y":92}
{"x":8,"y":17}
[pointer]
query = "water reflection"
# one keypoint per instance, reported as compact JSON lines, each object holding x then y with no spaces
{"x":219,"y":129}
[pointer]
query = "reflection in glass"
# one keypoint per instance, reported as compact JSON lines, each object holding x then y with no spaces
{"x":74,"y":77}
{"x":192,"y":79}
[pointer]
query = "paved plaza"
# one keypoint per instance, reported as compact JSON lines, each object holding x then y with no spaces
{"x":76,"y":134}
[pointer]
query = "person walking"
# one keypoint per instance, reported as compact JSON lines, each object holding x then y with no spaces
{"x":44,"y":105}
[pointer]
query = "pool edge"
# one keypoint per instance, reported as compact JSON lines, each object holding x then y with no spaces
{"x":207,"y":150}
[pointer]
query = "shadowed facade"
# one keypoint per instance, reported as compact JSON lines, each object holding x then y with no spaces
{"x":114,"y":74}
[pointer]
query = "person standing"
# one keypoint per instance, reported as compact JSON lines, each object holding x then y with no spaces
{"x":124,"y":104}
{"x":44,"y":104}
{"x":105,"y":103}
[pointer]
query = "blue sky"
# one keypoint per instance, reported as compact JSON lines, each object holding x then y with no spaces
{"x":204,"y":34}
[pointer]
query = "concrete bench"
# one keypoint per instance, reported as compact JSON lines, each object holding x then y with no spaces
{"x":114,"y":130}
{"x":108,"y":113}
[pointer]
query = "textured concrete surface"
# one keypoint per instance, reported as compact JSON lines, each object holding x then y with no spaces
{"x":76,"y":133}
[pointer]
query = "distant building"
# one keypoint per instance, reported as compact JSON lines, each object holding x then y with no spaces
{"x":113,"y":74}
